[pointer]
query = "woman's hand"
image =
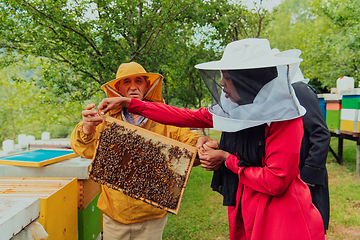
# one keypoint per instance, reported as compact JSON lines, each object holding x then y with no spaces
{"x":208,"y":141}
{"x":199,"y":145}
{"x":108,"y":104}
{"x":211,"y":159}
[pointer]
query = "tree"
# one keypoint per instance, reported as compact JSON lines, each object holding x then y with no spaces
{"x":81,"y":54}
{"x":234,"y":22}
{"x":327,"y":33}
{"x":343,"y":17}
{"x":185,"y":86}
{"x":28,"y":109}
{"x":19,"y":107}
{"x":203,"y":38}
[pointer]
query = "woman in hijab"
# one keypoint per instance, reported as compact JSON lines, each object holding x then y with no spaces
{"x":256,"y":165}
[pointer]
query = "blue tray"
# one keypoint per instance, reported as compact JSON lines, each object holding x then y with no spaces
{"x":37,"y":157}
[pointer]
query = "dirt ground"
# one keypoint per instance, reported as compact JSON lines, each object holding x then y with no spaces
{"x":339,"y":232}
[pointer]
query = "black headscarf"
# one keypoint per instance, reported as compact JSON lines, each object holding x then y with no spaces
{"x":249,"y":146}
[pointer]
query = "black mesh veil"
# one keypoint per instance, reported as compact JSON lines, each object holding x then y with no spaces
{"x":212,"y":80}
{"x":250,"y":97}
{"x":247,"y":83}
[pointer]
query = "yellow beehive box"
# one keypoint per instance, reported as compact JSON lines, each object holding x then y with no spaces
{"x":350,"y":120}
{"x":87,"y":191}
{"x":58,"y":202}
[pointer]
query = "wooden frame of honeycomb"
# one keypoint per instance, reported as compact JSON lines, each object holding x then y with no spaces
{"x":142,"y":164}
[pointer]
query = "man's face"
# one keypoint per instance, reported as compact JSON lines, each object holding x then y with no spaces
{"x":133,"y":87}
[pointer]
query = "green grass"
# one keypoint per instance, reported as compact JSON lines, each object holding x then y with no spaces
{"x":344,"y":188}
{"x":349,"y":153}
{"x":215,"y":135}
{"x":202,"y":215}
{"x":344,"y":196}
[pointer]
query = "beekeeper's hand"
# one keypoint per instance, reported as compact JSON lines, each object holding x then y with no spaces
{"x":199,"y":145}
{"x":90,"y":119}
{"x":108,"y":104}
{"x":206,"y":140}
{"x":211,"y":159}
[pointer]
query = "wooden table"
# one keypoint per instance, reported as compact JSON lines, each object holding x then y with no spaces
{"x":352,"y":136}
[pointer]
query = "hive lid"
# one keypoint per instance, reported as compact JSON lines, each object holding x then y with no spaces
{"x":17,"y":213}
{"x":37,"y":157}
{"x":354,"y":91}
{"x":329,"y":96}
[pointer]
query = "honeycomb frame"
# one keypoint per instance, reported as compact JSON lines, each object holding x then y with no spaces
{"x":125,"y":157}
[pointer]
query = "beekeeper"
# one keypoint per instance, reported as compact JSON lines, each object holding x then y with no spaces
{"x":125,"y":217}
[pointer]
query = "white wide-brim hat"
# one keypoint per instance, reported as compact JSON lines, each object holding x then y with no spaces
{"x":247,"y":54}
{"x":295,"y":72}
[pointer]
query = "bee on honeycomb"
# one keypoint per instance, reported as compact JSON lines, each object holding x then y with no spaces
{"x":143,"y":168}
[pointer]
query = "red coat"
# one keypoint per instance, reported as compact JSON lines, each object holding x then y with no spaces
{"x":275,"y":203}
{"x":272,"y":201}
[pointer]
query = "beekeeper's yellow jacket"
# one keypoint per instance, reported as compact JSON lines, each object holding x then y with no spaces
{"x":115,"y":204}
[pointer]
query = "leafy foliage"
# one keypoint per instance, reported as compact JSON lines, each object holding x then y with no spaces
{"x":73,"y":53}
{"x":235,"y":22}
{"x":344,"y":19}
{"x":327,"y":32}
{"x":19,"y":101}
{"x":79,"y":53}
{"x":84,"y":53}
{"x":29,"y":109}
